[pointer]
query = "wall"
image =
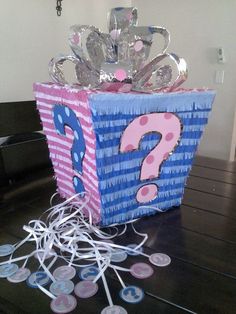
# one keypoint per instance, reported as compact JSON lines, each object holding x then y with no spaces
{"x":31,"y":34}
{"x":197,"y":28}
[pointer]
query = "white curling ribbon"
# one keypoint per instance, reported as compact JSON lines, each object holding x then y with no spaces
{"x":71,"y":234}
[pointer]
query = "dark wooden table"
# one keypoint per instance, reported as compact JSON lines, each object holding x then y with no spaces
{"x":200,"y":238}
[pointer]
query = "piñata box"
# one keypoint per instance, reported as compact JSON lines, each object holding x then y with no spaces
{"x":131,"y":152}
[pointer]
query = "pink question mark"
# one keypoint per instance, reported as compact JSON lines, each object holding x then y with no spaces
{"x":142,"y":269}
{"x":168,"y":126}
{"x":63,"y":275}
{"x":62,"y":300}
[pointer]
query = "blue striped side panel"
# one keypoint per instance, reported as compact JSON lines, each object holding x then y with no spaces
{"x":119,"y":173}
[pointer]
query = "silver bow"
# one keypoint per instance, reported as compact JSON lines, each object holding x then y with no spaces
{"x":120,"y":57}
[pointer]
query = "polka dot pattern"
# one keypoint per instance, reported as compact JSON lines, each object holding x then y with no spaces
{"x":66,"y":119}
{"x":166,"y":124}
{"x":120,"y":74}
{"x":76,"y":157}
{"x":168,"y":115}
{"x":150,"y":159}
{"x":76,"y":39}
{"x":60,"y":118}
{"x":169,"y":136}
{"x":129,"y":148}
{"x":143,"y":120}
{"x":138,"y":46}
{"x":76,"y":135}
{"x":115,"y":34}
{"x":147,"y":193}
{"x":67,"y":111}
{"x":144,"y":191}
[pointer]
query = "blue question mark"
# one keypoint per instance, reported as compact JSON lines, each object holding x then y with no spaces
{"x":40,"y":276}
{"x":61,"y":286}
{"x":63,"y":116}
{"x":131,"y":290}
{"x":93,"y":271}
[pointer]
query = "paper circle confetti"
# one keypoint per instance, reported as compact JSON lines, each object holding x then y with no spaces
{"x":86,"y":289}
{"x":38,"y":278}
{"x":115,"y":34}
{"x":6,"y":249}
{"x":114,"y":309}
{"x":141,"y":270}
{"x":133,"y":246}
{"x":160,"y":259}
{"x":132,"y":294}
{"x":138,"y":45}
{"x":118,"y":256}
{"x":20,"y":275}
{"x":63,"y":304}
{"x":62,"y":287}
{"x":64,"y":273}
{"x":88,"y":273}
{"x":7,"y":270}
{"x":120,"y":74}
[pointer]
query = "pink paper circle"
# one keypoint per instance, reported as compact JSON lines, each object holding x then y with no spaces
{"x":120,"y":74}
{"x":86,"y":289}
{"x":115,"y":34}
{"x":63,"y":304}
{"x":160,"y":259}
{"x":141,"y":270}
{"x":138,"y":45}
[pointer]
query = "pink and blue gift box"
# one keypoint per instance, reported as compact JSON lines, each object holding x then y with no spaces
{"x":131,"y":152}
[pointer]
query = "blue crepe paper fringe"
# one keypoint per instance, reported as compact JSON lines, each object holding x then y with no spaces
{"x":118,"y":173}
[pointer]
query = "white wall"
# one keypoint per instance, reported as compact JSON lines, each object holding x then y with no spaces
{"x":31,"y":34}
{"x":197,"y":28}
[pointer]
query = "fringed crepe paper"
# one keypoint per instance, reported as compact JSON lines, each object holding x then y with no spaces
{"x":92,"y":154}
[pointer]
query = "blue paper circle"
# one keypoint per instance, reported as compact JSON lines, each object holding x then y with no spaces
{"x":7,"y":270}
{"x":118,"y":256}
{"x":132,"y":294}
{"x":88,"y":273}
{"x":39,"y":277}
{"x":6,"y":249}
{"x":62,"y":287}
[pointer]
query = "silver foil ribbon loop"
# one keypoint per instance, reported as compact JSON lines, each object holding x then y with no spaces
{"x":135,"y":43}
{"x":89,"y":44}
{"x":141,"y":80}
{"x":118,"y":61}
{"x":120,"y":19}
{"x":85,"y":75}
{"x":55,"y":67}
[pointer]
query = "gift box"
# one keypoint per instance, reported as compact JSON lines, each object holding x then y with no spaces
{"x":130,"y":152}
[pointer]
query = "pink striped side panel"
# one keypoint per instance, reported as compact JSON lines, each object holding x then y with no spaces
{"x":47,"y":95}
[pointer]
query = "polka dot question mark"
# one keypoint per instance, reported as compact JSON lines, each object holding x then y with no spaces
{"x":63,"y":116}
{"x":168,"y":126}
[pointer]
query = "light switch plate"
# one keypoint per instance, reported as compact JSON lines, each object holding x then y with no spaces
{"x":219,"y":76}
